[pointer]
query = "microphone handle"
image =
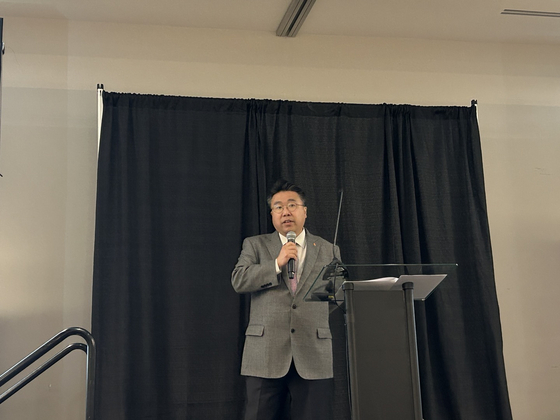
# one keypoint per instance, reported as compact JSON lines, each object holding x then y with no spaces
{"x":291,"y":271}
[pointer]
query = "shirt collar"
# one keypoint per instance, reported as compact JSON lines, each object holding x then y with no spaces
{"x":300,"y":239}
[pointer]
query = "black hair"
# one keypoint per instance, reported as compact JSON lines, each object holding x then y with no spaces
{"x":283,"y":185}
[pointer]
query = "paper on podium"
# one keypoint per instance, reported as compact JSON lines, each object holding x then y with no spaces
{"x":382,"y":283}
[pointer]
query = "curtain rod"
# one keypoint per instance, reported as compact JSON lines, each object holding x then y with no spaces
{"x":100,"y":87}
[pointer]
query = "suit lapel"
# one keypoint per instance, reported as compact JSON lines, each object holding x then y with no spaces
{"x":274,"y":244}
{"x":310,"y":259}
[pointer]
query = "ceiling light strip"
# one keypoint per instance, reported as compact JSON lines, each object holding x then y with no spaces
{"x":294,"y":17}
{"x":530,"y":13}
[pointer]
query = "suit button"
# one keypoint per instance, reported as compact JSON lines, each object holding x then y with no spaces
{"x":293,"y":330}
{"x":294,"y":306}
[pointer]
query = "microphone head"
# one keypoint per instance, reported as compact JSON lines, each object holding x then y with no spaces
{"x":291,"y":236}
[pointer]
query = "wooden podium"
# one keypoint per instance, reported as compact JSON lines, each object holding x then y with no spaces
{"x":382,"y":353}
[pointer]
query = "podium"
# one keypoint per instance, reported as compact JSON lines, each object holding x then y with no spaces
{"x":382,"y":354}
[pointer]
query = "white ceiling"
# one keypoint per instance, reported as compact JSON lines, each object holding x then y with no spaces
{"x":467,"y":20}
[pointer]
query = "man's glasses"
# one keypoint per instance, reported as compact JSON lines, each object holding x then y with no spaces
{"x":291,"y":207}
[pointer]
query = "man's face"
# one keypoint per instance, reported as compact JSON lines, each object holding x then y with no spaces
{"x":288,"y":220}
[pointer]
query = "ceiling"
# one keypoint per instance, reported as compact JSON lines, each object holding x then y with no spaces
{"x":464,"y":20}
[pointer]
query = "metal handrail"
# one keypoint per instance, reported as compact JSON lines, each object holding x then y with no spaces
{"x":88,"y":348}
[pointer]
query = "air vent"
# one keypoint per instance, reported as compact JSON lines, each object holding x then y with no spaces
{"x":530,"y":13}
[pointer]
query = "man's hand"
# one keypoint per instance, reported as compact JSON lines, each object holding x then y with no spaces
{"x":288,"y":251}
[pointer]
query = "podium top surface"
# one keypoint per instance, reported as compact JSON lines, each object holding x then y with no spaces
{"x":424,"y":284}
{"x":425,"y":278}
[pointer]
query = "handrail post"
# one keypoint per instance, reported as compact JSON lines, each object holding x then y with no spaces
{"x":90,"y":375}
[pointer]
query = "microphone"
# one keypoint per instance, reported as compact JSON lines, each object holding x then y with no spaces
{"x":291,"y":237}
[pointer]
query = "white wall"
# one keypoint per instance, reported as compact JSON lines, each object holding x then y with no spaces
{"x":48,"y":157}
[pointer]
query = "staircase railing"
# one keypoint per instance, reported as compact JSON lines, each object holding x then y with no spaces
{"x":88,"y":348}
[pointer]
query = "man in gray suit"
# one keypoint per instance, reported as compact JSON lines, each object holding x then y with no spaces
{"x":288,"y":342}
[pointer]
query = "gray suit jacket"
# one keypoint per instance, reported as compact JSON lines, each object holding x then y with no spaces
{"x":283,"y":327}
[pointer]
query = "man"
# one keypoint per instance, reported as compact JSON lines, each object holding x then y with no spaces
{"x":288,"y":342}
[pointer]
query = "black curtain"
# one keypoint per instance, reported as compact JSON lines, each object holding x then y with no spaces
{"x":182,"y":181}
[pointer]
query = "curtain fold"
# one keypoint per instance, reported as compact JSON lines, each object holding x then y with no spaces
{"x":181,"y":181}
